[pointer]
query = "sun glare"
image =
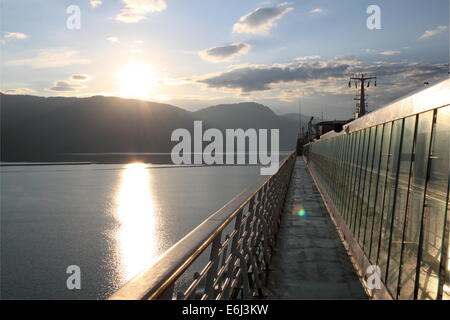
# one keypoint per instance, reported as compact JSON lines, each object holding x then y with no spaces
{"x":136,"y":80}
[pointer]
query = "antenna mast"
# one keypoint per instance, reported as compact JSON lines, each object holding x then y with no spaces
{"x":361,"y":80}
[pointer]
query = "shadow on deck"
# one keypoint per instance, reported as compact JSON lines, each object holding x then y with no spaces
{"x":310,"y":261}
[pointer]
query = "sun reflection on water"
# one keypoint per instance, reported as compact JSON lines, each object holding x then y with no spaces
{"x":136,"y":215}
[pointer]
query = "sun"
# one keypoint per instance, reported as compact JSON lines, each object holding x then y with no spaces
{"x":136,"y":80}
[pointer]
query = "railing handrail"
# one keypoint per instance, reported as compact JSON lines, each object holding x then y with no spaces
{"x":158,"y":277}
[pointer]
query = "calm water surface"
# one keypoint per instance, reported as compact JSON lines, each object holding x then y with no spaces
{"x":110,"y":220}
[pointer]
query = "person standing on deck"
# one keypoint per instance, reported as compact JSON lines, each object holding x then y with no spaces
{"x":311,"y":132}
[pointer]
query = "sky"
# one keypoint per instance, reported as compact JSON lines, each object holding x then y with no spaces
{"x":198,"y":53}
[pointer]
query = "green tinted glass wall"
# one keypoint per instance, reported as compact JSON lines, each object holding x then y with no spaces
{"x":390,"y":185}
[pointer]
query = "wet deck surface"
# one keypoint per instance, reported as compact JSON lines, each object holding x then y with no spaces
{"x":310,"y":261}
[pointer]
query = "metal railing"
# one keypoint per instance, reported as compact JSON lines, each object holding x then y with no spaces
{"x":240,"y":238}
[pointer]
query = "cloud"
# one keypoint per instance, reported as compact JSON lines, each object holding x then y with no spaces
{"x":63,"y":86}
{"x":20,"y":91}
{"x":136,"y":10}
{"x":50,"y":58}
{"x":8,"y":36}
{"x":261,"y":20}
{"x":350,"y":60}
{"x":14,"y":35}
{"x":259,"y":78}
{"x":434,"y":32}
{"x":316,"y":10}
{"x":305,"y":58}
{"x":225,"y":53}
{"x":113,"y":39}
{"x":389,"y":53}
{"x":270,"y":77}
{"x":80,"y":77}
{"x":409,"y":71}
{"x":73,"y":84}
{"x":95,"y":3}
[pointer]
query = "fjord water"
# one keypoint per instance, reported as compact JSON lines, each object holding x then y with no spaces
{"x":110,"y":220}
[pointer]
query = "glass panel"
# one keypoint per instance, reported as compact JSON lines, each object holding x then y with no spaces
{"x":373,"y":189}
{"x":339,"y":171}
{"x":401,"y":199}
{"x":380,"y":192}
{"x":389,"y":196}
{"x":345,"y":179}
{"x":367,"y":184}
{"x":340,"y":163}
{"x":350,"y":185}
{"x":355,"y":179}
{"x":435,"y":208}
{"x":415,"y":207}
{"x":359,"y":175}
{"x":361,"y":215}
{"x":331,"y":154}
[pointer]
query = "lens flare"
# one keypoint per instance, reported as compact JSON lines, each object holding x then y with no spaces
{"x":298,"y":210}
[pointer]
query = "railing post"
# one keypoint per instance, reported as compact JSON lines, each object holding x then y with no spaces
{"x":233,"y":250}
{"x":250,"y":245}
{"x":246,"y":234}
{"x":212,"y":272}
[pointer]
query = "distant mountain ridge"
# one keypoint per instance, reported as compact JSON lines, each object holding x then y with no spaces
{"x":239,"y":115}
{"x":79,"y":129}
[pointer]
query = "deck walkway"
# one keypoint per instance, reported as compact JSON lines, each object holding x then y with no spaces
{"x":310,"y":261}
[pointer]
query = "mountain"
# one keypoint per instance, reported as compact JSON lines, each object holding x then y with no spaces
{"x":100,"y":128}
{"x":248,"y":115}
{"x":50,"y":129}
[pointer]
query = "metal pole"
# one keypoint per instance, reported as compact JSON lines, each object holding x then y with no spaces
{"x":362,"y":104}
